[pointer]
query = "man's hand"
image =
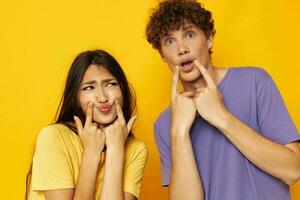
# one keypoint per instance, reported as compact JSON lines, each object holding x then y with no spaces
{"x":208,"y":100}
{"x":183,"y":108}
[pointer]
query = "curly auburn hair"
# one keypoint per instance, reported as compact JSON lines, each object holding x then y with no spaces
{"x":171,"y":15}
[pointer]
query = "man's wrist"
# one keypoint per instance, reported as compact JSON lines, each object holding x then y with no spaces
{"x":225,"y":121}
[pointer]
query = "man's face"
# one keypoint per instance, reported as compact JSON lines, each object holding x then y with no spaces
{"x":182,"y":47}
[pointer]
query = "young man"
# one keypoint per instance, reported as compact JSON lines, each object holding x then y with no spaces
{"x":228,"y":136}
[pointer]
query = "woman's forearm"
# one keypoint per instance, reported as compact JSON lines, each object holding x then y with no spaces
{"x":85,"y":187}
{"x":112,"y":188}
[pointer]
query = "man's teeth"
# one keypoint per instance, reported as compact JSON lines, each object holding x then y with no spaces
{"x":186,"y":63}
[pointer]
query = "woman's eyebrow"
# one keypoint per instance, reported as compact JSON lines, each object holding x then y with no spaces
{"x":89,"y":82}
{"x":102,"y":81}
{"x":108,"y":80}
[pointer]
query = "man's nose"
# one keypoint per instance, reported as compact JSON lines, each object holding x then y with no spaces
{"x":182,"y":49}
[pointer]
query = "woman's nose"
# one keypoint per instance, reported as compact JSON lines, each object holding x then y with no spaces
{"x":101,"y":96}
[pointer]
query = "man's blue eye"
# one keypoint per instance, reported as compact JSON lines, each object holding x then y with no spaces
{"x":190,"y":35}
{"x":169,"y":42}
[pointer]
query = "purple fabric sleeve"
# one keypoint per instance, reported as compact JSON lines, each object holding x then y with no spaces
{"x":273,"y":118}
{"x":165,"y":156}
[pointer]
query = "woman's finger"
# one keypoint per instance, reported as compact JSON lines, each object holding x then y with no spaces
{"x":119,"y":111}
{"x":78,"y":124}
{"x":131,"y":122}
{"x":89,"y":115}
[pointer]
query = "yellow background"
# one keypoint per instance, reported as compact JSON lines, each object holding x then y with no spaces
{"x":39,"y":40}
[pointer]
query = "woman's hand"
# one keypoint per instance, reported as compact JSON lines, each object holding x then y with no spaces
{"x":92,"y":138}
{"x":117,"y":132}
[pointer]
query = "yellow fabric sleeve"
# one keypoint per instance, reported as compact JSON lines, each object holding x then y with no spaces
{"x":133,"y":173}
{"x":51,"y":166}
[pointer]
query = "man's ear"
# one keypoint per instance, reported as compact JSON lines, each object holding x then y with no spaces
{"x":162,"y":56}
{"x":210,"y":41}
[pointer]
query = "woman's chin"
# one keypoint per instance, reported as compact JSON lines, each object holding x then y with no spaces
{"x":105,"y":120}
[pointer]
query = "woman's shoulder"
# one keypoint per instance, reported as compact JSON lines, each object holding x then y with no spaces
{"x":133,"y":141}
{"x":135,"y":146}
{"x":54,"y":133}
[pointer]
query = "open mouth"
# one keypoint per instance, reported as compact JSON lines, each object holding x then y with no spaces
{"x":187,"y":66}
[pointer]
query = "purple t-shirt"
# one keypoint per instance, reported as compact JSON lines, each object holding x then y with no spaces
{"x":252,"y":96}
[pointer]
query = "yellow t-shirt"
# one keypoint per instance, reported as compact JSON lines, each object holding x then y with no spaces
{"x":57,"y":159}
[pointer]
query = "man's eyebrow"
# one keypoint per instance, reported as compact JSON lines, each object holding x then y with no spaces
{"x":184,"y":28}
{"x":166,"y":36}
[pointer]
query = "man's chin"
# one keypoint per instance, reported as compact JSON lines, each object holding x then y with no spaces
{"x":189,"y":77}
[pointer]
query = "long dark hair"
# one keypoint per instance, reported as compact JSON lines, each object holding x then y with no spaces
{"x":68,"y":106}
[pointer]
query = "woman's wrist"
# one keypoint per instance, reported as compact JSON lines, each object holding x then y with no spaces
{"x":91,"y":156}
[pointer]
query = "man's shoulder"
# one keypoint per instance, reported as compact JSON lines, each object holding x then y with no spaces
{"x":164,"y":115}
{"x":249,"y":71}
{"x":163,"y":121}
{"x":247,"y":76}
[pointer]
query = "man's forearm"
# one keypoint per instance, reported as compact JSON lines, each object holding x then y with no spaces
{"x":185,"y":180}
{"x":273,"y":158}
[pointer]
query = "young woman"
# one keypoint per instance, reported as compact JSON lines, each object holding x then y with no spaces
{"x":89,"y":152}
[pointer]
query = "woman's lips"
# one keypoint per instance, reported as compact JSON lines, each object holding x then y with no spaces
{"x":105,"y":109}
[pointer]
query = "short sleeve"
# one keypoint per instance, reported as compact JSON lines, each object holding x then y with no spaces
{"x":164,"y":154}
{"x":133,"y":174}
{"x":273,"y":118}
{"x":50,"y":169}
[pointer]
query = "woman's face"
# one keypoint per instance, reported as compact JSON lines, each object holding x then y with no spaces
{"x":101,"y":88}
